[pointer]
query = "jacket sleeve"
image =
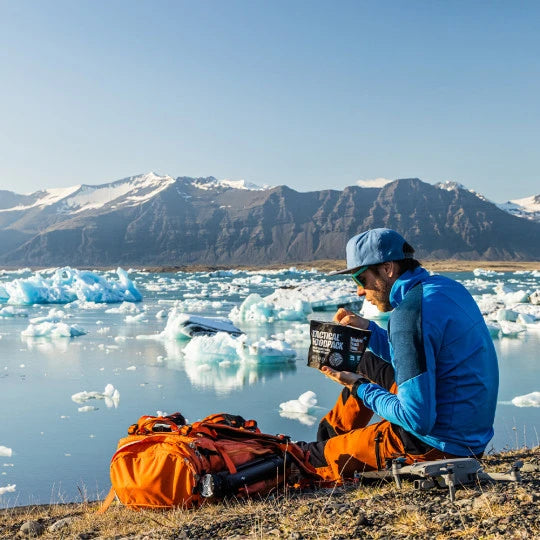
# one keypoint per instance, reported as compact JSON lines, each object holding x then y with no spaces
{"x":414,"y":348}
{"x":378,"y":342}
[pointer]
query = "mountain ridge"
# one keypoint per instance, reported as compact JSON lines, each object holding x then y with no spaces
{"x":160,"y":220}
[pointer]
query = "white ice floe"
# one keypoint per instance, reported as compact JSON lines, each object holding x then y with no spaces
{"x":53,"y":330}
{"x":183,"y":326}
{"x":299,"y":409}
{"x":10,"y":488}
{"x":131,"y":319}
{"x":223,"y":346}
{"x":111,"y":395}
{"x":297,"y":335}
{"x":5,"y":451}
{"x":68,"y":284}
{"x":124,"y":308}
{"x":54,"y":316}
{"x":527,"y":400}
{"x":370,"y":311}
{"x":488,"y":273}
{"x":11,"y":311}
{"x":256,"y":309}
{"x":87,"y":408}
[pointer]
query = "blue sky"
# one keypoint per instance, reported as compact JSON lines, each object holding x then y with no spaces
{"x":310,"y":94}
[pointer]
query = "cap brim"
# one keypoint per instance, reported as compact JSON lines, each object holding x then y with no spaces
{"x":346,"y":271}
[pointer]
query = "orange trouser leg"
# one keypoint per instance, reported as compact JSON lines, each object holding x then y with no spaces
{"x":347,"y":414}
{"x":359,"y":450}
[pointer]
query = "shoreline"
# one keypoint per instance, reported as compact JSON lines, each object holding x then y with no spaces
{"x":323,"y":265}
{"x":330,"y":265}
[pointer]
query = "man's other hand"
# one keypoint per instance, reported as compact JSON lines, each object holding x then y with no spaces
{"x":346,"y":378}
{"x":348,"y":318}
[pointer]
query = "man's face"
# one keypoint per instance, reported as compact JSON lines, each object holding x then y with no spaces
{"x":376,"y":287}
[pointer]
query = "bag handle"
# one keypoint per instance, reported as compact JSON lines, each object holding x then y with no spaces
{"x":147,"y":424}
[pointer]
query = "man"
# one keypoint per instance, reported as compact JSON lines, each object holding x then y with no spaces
{"x":432,"y":377}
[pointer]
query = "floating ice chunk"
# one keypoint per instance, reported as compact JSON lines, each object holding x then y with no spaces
{"x":526,"y":319}
{"x":67,"y":285}
{"x":304,"y":404}
{"x":10,"y":488}
{"x":53,"y":330}
{"x":509,"y":329}
{"x":81,"y":397}
{"x":124,"y":308}
{"x":183,"y":326}
{"x":370,"y":311}
{"x":527,"y":400}
{"x":509,"y":296}
{"x":131,"y":368}
{"x":135,"y":318}
{"x":103,"y":330}
{"x":225,"y":346}
{"x":5,"y":451}
{"x":534,"y":298}
{"x":161,"y":314}
{"x":506,"y":315}
{"x":481,"y":272}
{"x":259,"y":310}
{"x":54,"y":316}
{"x":319,"y":296}
{"x":87,"y":408}
{"x":111,"y":396}
{"x":11,"y":311}
{"x":297,"y":335}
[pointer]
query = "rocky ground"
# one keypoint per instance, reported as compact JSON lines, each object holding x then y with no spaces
{"x":375,"y":510}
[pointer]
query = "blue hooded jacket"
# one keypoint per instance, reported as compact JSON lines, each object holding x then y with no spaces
{"x":444,"y":361}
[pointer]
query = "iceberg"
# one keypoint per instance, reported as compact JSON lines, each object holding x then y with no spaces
{"x":256,"y":309}
{"x":10,"y":488}
{"x":53,"y":330}
{"x":184,"y":326}
{"x":223,"y":346}
{"x":370,"y":311}
{"x":5,"y":451}
{"x":111,"y":396}
{"x":68,"y":284}
{"x":527,"y":400}
{"x":11,"y":311}
{"x":305,"y":403}
{"x":299,"y":409}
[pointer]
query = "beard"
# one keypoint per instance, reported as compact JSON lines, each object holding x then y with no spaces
{"x":380,"y":294}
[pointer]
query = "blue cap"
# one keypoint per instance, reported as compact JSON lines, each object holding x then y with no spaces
{"x":374,"y":247}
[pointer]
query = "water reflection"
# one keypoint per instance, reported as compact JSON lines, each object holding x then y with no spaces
{"x":223,"y":375}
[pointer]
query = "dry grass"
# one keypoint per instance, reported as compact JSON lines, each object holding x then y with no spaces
{"x":377,"y":510}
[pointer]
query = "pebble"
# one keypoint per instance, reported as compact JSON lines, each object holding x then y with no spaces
{"x":61,"y":524}
{"x":32,"y":528}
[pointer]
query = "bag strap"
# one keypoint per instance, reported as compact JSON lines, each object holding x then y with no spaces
{"x":106,"y":502}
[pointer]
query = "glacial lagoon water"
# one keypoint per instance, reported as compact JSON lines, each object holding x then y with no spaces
{"x":55,"y":449}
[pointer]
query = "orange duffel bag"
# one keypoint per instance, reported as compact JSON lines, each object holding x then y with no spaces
{"x":165,"y":463}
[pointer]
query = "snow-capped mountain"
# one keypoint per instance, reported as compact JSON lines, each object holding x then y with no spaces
{"x":151,"y":219}
{"x":130,"y":191}
{"x":528,"y":207}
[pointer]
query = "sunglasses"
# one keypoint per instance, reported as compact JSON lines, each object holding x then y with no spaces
{"x":356,"y":276}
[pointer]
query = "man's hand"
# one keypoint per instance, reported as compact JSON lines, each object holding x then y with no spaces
{"x":348,"y":318}
{"x":346,"y":378}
